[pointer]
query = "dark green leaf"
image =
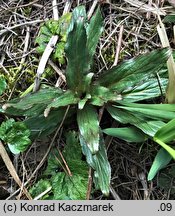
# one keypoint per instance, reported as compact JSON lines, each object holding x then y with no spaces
{"x":101,"y":95}
{"x":76,"y":51}
{"x":145,"y":64}
{"x":129,"y":134}
{"x":41,"y":126}
{"x":161,"y":160}
{"x":41,"y":186}
{"x":94,"y":31}
{"x":169,"y":18}
{"x":16,"y":134}
{"x":2,"y":85}
{"x":145,"y":90}
{"x":99,"y":162}
{"x":67,"y":98}
{"x":42,"y":97}
{"x":89,"y":127}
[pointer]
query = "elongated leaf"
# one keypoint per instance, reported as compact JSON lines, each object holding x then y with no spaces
{"x":99,"y":162}
{"x":41,"y":97}
{"x":65,"y":99}
{"x":144,"y":90}
{"x":145,"y":64}
{"x":41,"y":126}
{"x":129,"y":134}
{"x":167,"y":132}
{"x":89,"y":127}
{"x":154,"y":111}
{"x":150,"y":127}
{"x":76,"y":51}
{"x":161,"y":160}
{"x":94,"y":31}
{"x":124,"y":116}
{"x":170,"y":150}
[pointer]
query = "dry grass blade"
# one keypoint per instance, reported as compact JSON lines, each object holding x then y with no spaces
{"x":12,"y":170}
{"x":145,"y":7}
{"x":170,"y":96}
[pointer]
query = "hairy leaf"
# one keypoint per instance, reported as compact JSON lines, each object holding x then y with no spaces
{"x":89,"y":127}
{"x":129,"y":134}
{"x":161,"y":160}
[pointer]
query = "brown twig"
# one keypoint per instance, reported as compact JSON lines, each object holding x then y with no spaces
{"x":90,"y":181}
{"x":12,"y":170}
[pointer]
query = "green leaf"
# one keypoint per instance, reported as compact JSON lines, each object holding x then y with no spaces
{"x":124,"y":116}
{"x":89,"y":127}
{"x":161,"y":160}
{"x":164,"y":112}
{"x":169,"y":18}
{"x":129,"y":134}
{"x":3,"y":85}
{"x":65,"y":186}
{"x":67,"y":98}
{"x":145,"y":90}
{"x":150,"y":127}
{"x":76,"y":51}
{"x":50,"y":28}
{"x":42,"y":127}
{"x":146,"y":64}
{"x":41,"y":186}
{"x":5,"y":127}
{"x":94,"y":31}
{"x":99,"y":162}
{"x":16,"y":134}
{"x":167,"y":132}
{"x":101,"y":95}
{"x":42,"y":97}
{"x":69,"y":187}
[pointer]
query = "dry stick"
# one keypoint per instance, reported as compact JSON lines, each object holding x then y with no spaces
{"x":67,"y":6}
{"x":42,"y":64}
{"x":45,"y":156}
{"x":91,"y":11}
{"x":65,"y":163}
{"x":118,"y":45}
{"x":47,"y":52}
{"x":58,"y":71}
{"x":43,"y":193}
{"x":21,"y":6}
{"x":19,"y":25}
{"x":90,"y":179}
{"x":12,"y":170}
{"x":145,"y":7}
